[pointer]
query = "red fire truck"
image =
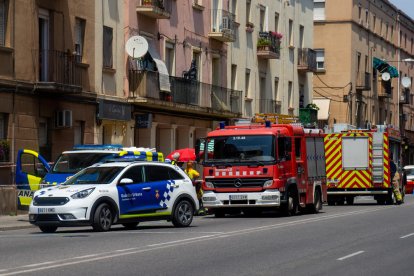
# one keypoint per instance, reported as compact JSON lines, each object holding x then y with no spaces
{"x":251,"y":168}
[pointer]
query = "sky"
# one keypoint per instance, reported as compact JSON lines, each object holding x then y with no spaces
{"x":407,"y":6}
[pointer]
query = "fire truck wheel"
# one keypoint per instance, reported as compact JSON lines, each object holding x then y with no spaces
{"x":317,"y":205}
{"x":350,"y":200}
{"x":381,"y":201}
{"x":331,"y":202}
{"x":390,"y":198}
{"x":291,"y":208}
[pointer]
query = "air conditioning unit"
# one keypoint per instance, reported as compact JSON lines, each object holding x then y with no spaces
{"x":63,"y":118}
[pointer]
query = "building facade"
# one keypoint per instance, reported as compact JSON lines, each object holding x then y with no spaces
{"x":272,"y":59}
{"x":363,"y":52}
{"x":179,"y":87}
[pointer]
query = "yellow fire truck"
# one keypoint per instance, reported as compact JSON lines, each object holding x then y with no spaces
{"x":358,"y":163}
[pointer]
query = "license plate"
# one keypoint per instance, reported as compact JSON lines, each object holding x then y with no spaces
{"x":46,"y":210}
{"x":238,"y":197}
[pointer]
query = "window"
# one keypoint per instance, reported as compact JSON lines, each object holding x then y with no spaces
{"x":42,"y":132}
{"x":247,"y":84}
{"x":170,"y":57}
{"x":234,"y":8}
{"x":262,"y":18}
{"x":107,"y":47}
{"x":320,"y":59}
{"x":3,"y":126}
{"x":358,"y":61}
{"x":134,"y":173}
{"x":290,"y":32}
{"x":290,"y":98}
{"x":366,"y":17}
{"x":3,"y":21}
{"x":386,"y":31}
{"x":301,"y":35}
{"x":284,"y":148}
{"x":298,"y":147}
{"x":248,"y":5}
{"x":79,"y":131}
{"x":319,"y":10}
{"x":276,"y":22}
{"x":197,"y":58}
{"x":374,"y":23}
{"x":32,"y":165}
{"x":79,"y":37}
{"x":276,"y":89}
{"x":160,"y":173}
{"x":233,"y":76}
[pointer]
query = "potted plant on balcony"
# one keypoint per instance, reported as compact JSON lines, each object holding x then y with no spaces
{"x":147,"y":2}
{"x":263,"y":44}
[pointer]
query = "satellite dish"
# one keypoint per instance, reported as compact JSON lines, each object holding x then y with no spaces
{"x":406,"y":82}
{"x":136,"y":46}
{"x":385,"y":76}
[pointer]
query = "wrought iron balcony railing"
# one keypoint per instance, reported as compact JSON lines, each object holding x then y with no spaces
{"x":306,"y":60}
{"x":145,"y":84}
{"x":59,"y":69}
{"x":268,"y":45}
{"x":158,"y":9}
{"x":223,"y":26}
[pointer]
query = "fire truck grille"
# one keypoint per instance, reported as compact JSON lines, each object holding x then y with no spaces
{"x":239,"y":182}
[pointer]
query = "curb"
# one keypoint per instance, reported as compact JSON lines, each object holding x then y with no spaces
{"x":10,"y":228}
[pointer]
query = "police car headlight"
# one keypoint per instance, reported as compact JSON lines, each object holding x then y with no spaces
{"x":268,"y":183}
{"x":82,"y":194}
{"x":209,"y":184}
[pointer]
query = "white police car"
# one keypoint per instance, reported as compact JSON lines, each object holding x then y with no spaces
{"x":116,"y":193}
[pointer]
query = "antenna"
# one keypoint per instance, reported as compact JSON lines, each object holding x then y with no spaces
{"x":385,"y":76}
{"x":136,"y":46}
{"x":406,"y":82}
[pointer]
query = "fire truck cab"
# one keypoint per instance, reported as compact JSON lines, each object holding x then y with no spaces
{"x":254,"y":167}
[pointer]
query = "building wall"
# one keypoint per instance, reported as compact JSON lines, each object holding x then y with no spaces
{"x":244,"y":54}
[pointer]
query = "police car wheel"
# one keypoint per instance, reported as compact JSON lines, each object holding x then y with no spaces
{"x":130,"y":225}
{"x":48,"y":228}
{"x":102,"y":219}
{"x":183,"y":214}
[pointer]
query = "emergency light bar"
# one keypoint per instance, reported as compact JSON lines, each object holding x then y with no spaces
{"x":98,"y":147}
{"x":142,"y":155}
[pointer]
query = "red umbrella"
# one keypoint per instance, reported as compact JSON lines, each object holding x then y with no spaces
{"x":187,"y":154}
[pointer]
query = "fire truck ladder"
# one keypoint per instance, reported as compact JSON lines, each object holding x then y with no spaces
{"x":378,"y":157}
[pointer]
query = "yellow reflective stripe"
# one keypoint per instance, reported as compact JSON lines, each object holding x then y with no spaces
{"x":34,"y":182}
{"x":122,"y":153}
{"x":145,"y":215}
{"x":25,"y":200}
{"x":31,"y":152}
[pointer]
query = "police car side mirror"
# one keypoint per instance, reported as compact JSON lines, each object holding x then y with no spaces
{"x":126,"y":181}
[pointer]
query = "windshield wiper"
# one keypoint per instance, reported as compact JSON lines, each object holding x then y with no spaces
{"x":257,"y":163}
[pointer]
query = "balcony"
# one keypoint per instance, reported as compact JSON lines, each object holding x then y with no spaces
{"x":268,"y":45}
{"x":384,"y":89}
{"x":363,"y":81}
{"x":223,"y":27}
{"x":270,"y":106}
{"x":186,"y":95}
{"x":158,"y":9}
{"x":58,"y":72}
{"x":306,"y":60}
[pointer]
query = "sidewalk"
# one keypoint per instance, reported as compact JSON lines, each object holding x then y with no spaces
{"x":21,"y":221}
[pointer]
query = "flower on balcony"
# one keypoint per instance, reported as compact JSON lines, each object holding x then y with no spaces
{"x":147,"y":2}
{"x":263,"y":42}
{"x":276,"y":35}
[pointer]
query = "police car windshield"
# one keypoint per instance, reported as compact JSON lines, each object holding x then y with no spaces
{"x":243,"y":148}
{"x":94,"y":175}
{"x":76,"y":161}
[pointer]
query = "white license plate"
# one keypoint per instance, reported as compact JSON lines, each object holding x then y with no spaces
{"x":46,"y":210}
{"x":238,"y":197}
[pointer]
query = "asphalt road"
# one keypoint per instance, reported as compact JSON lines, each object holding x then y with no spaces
{"x":363,"y":239}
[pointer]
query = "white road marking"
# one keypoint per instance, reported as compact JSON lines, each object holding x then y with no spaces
{"x":127,"y":249}
{"x":39,"y":264}
{"x":86,"y":256}
{"x":406,"y":236}
{"x":350,"y":255}
{"x":175,"y":243}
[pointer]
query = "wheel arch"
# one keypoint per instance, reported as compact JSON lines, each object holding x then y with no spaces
{"x":108,"y":201}
{"x":182,"y":197}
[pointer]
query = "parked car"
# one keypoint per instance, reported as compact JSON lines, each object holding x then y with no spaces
{"x":409,"y":173}
{"x":118,"y":192}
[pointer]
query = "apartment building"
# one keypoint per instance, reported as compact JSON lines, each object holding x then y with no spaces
{"x":356,"y":43}
{"x":61,"y":75}
{"x":178,"y":89}
{"x":272,"y":59}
